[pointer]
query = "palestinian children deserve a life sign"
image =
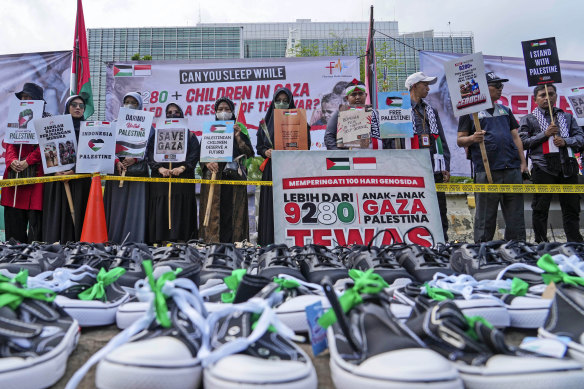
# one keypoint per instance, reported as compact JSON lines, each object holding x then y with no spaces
{"x":21,"y":116}
{"x":467,"y":84}
{"x":217,"y":141}
{"x":170,"y":143}
{"x":57,"y":143}
{"x":132,"y":132}
{"x":97,"y":144}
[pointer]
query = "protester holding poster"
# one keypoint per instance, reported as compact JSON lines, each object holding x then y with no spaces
{"x":507,"y":162}
{"x":228,"y":220}
{"x":183,"y":196}
{"x":283,"y":99}
{"x":125,"y":206}
{"x":24,"y":211}
{"x":429,"y":134}
{"x":551,"y":145}
{"x":58,"y":224}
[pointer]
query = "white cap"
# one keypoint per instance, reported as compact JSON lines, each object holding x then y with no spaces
{"x":419,"y":77}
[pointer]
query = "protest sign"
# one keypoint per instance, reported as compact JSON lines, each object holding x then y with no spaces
{"x":395,"y":114}
{"x":290,"y":129}
{"x":542,"y":63}
{"x":132,"y":132}
{"x":576,"y":100}
{"x":467,"y":83}
{"x":170,"y":143}
{"x":345,"y":197}
{"x":96,"y":148}
{"x":217,"y":141}
{"x":354,"y":127}
{"x":20,"y":127}
{"x":57,"y":143}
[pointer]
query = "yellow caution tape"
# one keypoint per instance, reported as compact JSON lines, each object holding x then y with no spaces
{"x":38,"y":180}
{"x":510,"y":188}
{"x":185,"y":180}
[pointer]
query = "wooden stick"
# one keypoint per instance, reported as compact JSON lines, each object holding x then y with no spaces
{"x":169,"y":191}
{"x":209,"y":201}
{"x":70,"y":200}
{"x":398,"y":143}
{"x":122,"y":181}
{"x":477,"y":124}
{"x":16,"y":186}
{"x":547,"y":96}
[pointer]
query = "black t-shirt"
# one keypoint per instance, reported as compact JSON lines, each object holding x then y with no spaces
{"x":466,"y":123}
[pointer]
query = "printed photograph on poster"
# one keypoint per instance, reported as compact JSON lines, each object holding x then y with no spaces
{"x":575,"y":98}
{"x":132,"y":132}
{"x":217,"y":141}
{"x":20,"y":126}
{"x":395,"y":114}
{"x":542,"y":63}
{"x":170,"y":144}
{"x":96,"y":148}
{"x":290,"y":129}
{"x":347,"y":197}
{"x":354,"y":127}
{"x":467,"y":83}
{"x":57,"y":141}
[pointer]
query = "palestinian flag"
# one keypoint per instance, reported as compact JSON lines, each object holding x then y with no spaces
{"x":168,"y":122}
{"x":123,"y":71}
{"x":128,"y":149}
{"x":550,"y":147}
{"x":412,"y":143}
{"x":95,"y":144}
{"x":142,"y":70}
{"x":394,"y":102}
{"x":218,"y":128}
{"x":80,"y":75}
{"x":338,"y":164}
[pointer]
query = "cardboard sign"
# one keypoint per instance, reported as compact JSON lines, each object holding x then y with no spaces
{"x":290,"y":129}
{"x":343,"y":197}
{"x":575,"y":98}
{"x":171,"y":139}
{"x":217,"y":141}
{"x":542,"y":63}
{"x":467,"y":84}
{"x":57,"y":143}
{"x":96,"y":148}
{"x":132,"y":132}
{"x":395,"y":115}
{"x":20,"y":126}
{"x":354,"y":127}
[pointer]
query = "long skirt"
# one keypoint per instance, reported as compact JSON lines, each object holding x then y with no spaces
{"x":266,"y":214}
{"x":125,"y":211}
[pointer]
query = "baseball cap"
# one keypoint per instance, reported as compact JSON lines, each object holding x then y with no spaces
{"x":419,"y":77}
{"x":492,"y":78}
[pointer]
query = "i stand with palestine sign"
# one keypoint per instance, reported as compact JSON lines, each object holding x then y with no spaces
{"x":345,"y":197}
{"x":542,"y":63}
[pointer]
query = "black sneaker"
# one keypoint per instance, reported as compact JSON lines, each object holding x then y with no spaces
{"x":317,"y":262}
{"x":568,"y":249}
{"x":277,"y":259}
{"x":94,"y":255}
{"x":423,"y":262}
{"x":130,"y":257}
{"x":383,"y":261}
{"x":478,"y":260}
{"x":35,"y":258}
{"x":481,"y":355}
{"x":220,"y":260}
{"x":178,"y":256}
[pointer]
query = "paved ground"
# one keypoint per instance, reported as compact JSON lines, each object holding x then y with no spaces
{"x":92,"y":339}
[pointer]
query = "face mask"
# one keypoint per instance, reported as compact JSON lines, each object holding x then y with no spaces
{"x":131,"y":106}
{"x":281,"y":105}
{"x":224,"y":115}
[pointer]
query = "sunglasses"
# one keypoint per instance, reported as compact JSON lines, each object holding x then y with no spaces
{"x":498,"y":85}
{"x":78,"y":105}
{"x":172,"y":113}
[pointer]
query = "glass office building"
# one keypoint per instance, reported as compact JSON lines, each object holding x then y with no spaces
{"x":264,"y":40}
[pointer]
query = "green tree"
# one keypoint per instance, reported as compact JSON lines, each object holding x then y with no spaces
{"x":136,"y":57}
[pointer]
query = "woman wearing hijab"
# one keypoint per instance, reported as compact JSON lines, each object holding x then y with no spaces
{"x":283,"y":99}
{"x":183,"y":198}
{"x":23,"y":217}
{"x":58,"y":223}
{"x":125,"y":207}
{"x":228,"y":220}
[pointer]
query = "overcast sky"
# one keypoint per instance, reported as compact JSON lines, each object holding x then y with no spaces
{"x":499,"y":26}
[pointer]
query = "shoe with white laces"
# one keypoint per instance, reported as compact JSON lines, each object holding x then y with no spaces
{"x":317,"y":262}
{"x":36,"y":337}
{"x":129,"y":257}
{"x":34,"y":258}
{"x":382,"y":260}
{"x":160,"y":349}
{"x":220,"y":260}
{"x":479,"y":260}
{"x":178,"y":256}
{"x":250,"y":347}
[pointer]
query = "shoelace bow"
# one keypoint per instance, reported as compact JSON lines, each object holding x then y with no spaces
{"x":553,"y":272}
{"x":159,"y":298}
{"x":103,"y":279}
{"x":438,"y":294}
{"x":21,"y":278}
{"x":232,"y":282}
{"x":472,"y":322}
{"x":518,"y":287}
{"x":12,"y":296}
{"x":365,"y":283}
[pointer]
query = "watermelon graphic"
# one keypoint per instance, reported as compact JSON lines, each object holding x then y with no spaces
{"x":95,"y":144}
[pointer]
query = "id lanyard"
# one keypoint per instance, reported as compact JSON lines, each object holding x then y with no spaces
{"x":425,"y":137}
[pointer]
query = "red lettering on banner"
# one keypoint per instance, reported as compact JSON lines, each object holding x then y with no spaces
{"x":519,"y":105}
{"x":402,"y":206}
{"x":189,"y":110}
{"x":298,"y":236}
{"x":318,"y":237}
{"x":208,"y":109}
{"x":262,"y":92}
{"x":200,"y":94}
{"x":300,"y":104}
{"x":420,"y":236}
{"x":386,"y":207}
{"x":305,"y":91}
{"x":564,"y":105}
{"x":309,"y":104}
{"x":229,"y":92}
{"x":418,"y":207}
{"x":343,"y":181}
{"x":190,"y":97}
{"x":370,"y":207}
{"x":249,"y":106}
{"x":391,"y":236}
{"x":503,"y":101}
{"x":199,"y":110}
{"x":352,"y":236}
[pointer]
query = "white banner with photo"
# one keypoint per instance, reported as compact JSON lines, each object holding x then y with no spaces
{"x":516,"y":94}
{"x":317,"y":84}
{"x":57,"y":143}
{"x":346,"y":197}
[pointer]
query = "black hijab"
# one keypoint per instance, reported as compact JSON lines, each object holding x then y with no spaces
{"x":270,"y":114}
{"x":76,"y":121}
{"x":182,"y":115}
{"x":229,"y":103}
